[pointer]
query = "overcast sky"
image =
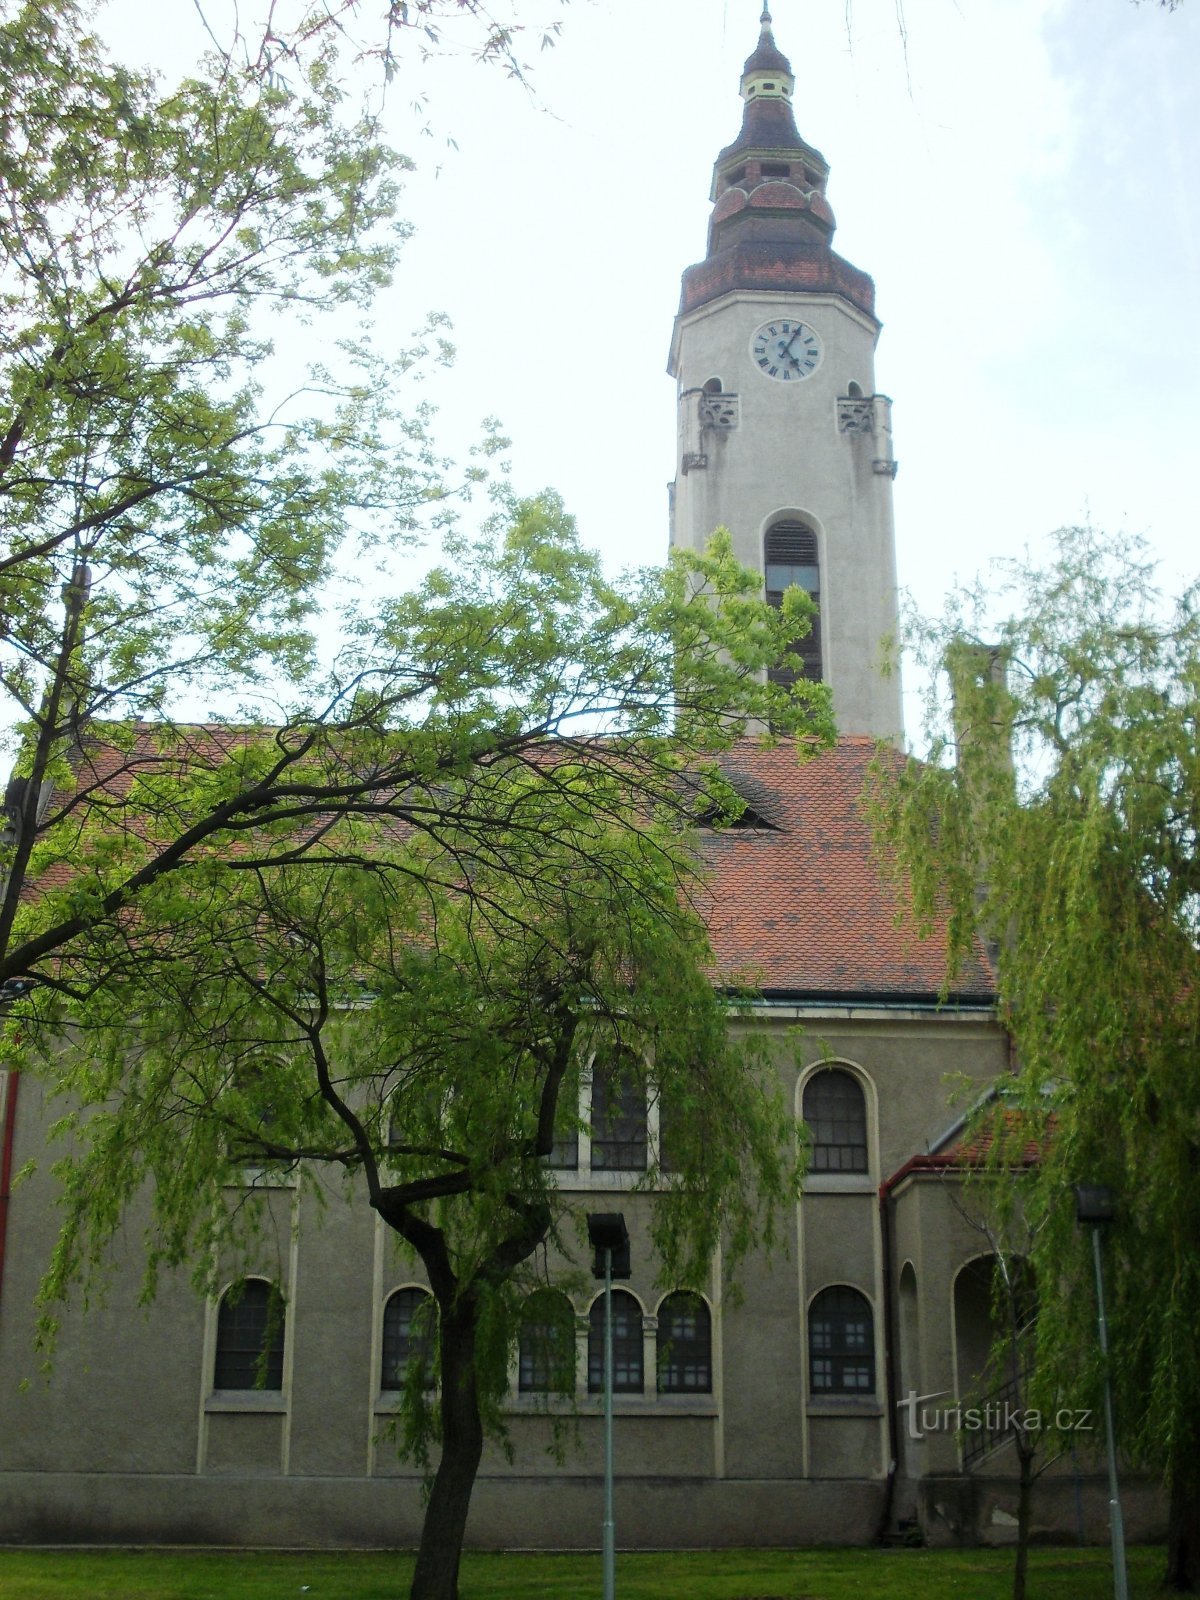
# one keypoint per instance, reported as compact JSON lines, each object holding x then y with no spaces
{"x":1018,"y":176}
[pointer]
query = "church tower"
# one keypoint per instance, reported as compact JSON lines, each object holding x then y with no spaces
{"x":782,"y":438}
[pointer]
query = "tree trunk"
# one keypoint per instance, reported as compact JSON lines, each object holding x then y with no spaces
{"x":436,"y":1575}
{"x":1183,"y":1533}
{"x":1024,"y":1507}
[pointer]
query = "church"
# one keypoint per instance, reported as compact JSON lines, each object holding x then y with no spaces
{"x":786,"y":1415}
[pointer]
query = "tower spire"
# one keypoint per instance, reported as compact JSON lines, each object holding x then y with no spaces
{"x":768,"y":71}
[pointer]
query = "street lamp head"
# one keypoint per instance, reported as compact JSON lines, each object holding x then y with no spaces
{"x":1094,"y":1203}
{"x":607,"y":1231}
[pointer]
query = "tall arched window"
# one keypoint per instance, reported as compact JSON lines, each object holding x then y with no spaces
{"x":628,"y":1370}
{"x":836,"y":1113}
{"x":250,"y":1328}
{"x":684,"y":1345}
{"x":790,"y":557}
{"x":409,"y":1332}
{"x":841,"y":1343}
{"x":619,"y":1129}
{"x":546,"y":1344}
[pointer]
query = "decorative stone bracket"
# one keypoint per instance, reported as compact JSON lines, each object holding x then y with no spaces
{"x":720,"y":411}
{"x":870,"y":415}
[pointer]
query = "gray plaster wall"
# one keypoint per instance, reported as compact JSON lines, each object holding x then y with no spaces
{"x":127,"y":1440}
{"x":557,"y":1511}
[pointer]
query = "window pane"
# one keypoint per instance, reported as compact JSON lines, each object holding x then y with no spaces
{"x":790,"y":557}
{"x":546,"y":1344}
{"x":836,"y":1113}
{"x":684,"y":1345}
{"x":668,"y":1152}
{"x":564,"y":1152}
{"x":841,"y":1343}
{"x":409,"y":1333}
{"x":628,"y":1372}
{"x":250,"y":1321}
{"x":619,"y":1142}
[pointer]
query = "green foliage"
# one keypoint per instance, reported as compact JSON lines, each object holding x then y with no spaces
{"x":397,"y":936}
{"x":1077,"y":856}
{"x":164,"y":526}
{"x":1060,"y":1574}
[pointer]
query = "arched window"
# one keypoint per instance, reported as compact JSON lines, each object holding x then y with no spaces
{"x":619,"y":1137}
{"x":546,"y":1344}
{"x":790,"y":557}
{"x":841,"y":1343}
{"x":628,"y":1370}
{"x":250,"y":1328}
{"x":684,"y":1345}
{"x":836,"y":1113}
{"x":712,"y":386}
{"x":409,"y":1332}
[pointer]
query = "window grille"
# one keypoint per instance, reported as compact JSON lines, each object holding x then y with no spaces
{"x":409,"y":1332}
{"x":619,"y":1137}
{"x":684,"y":1345}
{"x":546,"y":1344}
{"x":841,"y":1343}
{"x":628,"y":1370}
{"x":836,"y":1113}
{"x":564,"y":1152}
{"x":250,"y":1327}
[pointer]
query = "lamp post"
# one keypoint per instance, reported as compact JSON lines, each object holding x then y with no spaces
{"x":609,"y":1238}
{"x":1094,"y":1207}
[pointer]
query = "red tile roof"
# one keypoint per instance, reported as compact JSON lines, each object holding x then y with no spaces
{"x":974,"y":1150}
{"x":803,"y":906}
{"x":798,"y":907}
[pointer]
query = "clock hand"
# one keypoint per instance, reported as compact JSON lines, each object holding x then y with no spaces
{"x":787,"y":348}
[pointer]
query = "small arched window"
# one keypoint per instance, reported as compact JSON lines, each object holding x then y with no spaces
{"x":409,"y":1332}
{"x":628,"y":1368}
{"x":546,"y":1344}
{"x":684,"y":1345}
{"x":835,"y":1110}
{"x":841,"y":1343}
{"x":790,"y":557}
{"x":854,"y":390}
{"x":712,"y":386}
{"x":250,"y":1328}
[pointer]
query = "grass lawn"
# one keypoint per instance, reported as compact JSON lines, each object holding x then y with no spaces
{"x":1058,"y":1574}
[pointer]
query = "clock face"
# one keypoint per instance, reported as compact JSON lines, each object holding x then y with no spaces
{"x":786,"y":349}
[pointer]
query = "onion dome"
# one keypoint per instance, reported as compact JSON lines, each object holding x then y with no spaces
{"x":771,"y":224}
{"x":768,"y":61}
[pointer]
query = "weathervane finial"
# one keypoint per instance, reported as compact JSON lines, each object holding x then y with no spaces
{"x":765,"y":19}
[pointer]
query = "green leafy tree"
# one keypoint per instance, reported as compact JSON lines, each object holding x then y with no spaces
{"x":988,"y":1193}
{"x":405,"y":985}
{"x":1066,"y":833}
{"x":175,"y":491}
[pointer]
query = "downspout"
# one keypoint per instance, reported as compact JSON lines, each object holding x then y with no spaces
{"x":12,"y":1081}
{"x":889,"y":1359}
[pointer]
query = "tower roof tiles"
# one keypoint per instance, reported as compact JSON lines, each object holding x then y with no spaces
{"x":804,"y":905}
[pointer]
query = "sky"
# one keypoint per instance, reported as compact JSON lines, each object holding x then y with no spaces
{"x":1018,"y":176}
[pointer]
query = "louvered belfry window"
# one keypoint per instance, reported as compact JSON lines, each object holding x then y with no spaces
{"x":790,"y":556}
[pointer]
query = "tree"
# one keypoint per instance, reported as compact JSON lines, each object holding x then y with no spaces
{"x":174,"y":500}
{"x":405,"y":985}
{"x":165,"y":527}
{"x":1066,"y":832}
{"x":989,"y":1196}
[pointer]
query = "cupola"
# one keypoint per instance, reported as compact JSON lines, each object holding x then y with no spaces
{"x":768,"y":72}
{"x":771,"y":224}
